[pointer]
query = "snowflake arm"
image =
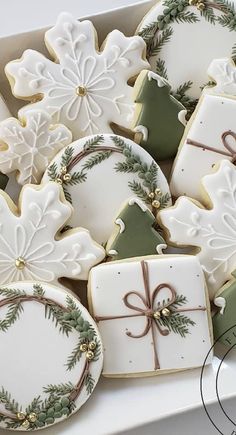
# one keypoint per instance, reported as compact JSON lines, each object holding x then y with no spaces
{"x":86,"y":90}
{"x":31,"y":145}
{"x":213,"y":230}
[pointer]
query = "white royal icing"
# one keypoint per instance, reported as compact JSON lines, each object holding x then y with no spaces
{"x":160,"y":248}
{"x":223,"y":72}
{"x":221,"y":303}
{"x":121,"y":224}
{"x":84,"y":89}
{"x":4,"y":111}
{"x":46,"y":372}
{"x":33,"y":236}
{"x":31,"y":144}
{"x":112,"y":252}
{"x":142,"y":129}
{"x":214,"y":115}
{"x":138,"y":202}
{"x":109,"y":285}
{"x":160,"y":80}
{"x":103,"y":184}
{"x":182,"y":117}
{"x":212,"y":231}
{"x":206,"y":39}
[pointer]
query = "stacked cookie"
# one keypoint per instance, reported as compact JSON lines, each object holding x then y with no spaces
{"x":87,"y":152}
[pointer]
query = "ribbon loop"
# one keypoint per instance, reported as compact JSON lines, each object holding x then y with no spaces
{"x":229,"y":150}
{"x":224,"y":137}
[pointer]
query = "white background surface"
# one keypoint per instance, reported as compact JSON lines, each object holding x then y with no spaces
{"x":24,"y":15}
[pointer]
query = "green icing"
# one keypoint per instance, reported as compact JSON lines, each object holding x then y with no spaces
{"x":159,"y":114}
{"x":3,"y":181}
{"x":138,"y":238}
{"x":222,"y":322}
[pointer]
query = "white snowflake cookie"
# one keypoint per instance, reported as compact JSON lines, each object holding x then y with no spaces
{"x":84,"y":89}
{"x":31,"y":247}
{"x":212,"y":231}
{"x":59,"y":355}
{"x":99,"y":173}
{"x":28,"y":145}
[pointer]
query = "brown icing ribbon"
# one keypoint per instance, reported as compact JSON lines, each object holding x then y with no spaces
{"x":230,"y":152}
{"x":149,"y":310}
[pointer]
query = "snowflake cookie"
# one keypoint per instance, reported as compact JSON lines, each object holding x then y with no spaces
{"x":29,"y":145}
{"x":84,"y":89}
{"x":135,"y":233}
{"x":152,"y":314}
{"x":59,"y":355}
{"x":209,"y":29}
{"x":224,"y":320}
{"x":159,"y":117}
{"x":212,"y":231}
{"x":31,"y":247}
{"x":210,"y":134}
{"x":99,"y":173}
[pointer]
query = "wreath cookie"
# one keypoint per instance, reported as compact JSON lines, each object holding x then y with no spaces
{"x":99,"y":173}
{"x":31,"y":246}
{"x":83,"y":88}
{"x":208,"y":27}
{"x":59,"y":355}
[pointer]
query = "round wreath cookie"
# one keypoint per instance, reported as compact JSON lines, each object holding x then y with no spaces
{"x":208,"y":27}
{"x":99,"y":173}
{"x":82,"y":88}
{"x":59,"y":355}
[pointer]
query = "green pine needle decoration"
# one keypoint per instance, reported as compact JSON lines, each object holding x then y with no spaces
{"x":38,"y":290}
{"x":156,"y":44}
{"x":96,"y":159}
{"x":149,"y":31}
{"x":35,"y":406}
{"x":75,"y":356}
{"x":139,"y":191}
{"x":55,"y":313}
{"x":71,"y":305}
{"x":161,"y":68}
{"x":11,"y":292}
{"x":89,"y":383}
{"x":13,"y":314}
{"x":67,"y":195}
{"x":76,"y":178}
{"x":9,"y":403}
{"x":186,"y":17}
{"x":59,"y":389}
{"x":94,"y":141}
{"x":67,"y":156}
{"x":53,"y":172}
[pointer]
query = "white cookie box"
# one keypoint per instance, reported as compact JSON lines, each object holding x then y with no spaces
{"x":169,"y":404}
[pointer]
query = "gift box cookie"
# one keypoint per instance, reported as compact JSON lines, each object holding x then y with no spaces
{"x":152,"y":313}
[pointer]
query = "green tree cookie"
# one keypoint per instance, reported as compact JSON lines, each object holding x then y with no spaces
{"x":158,"y":116}
{"x":135,"y":234}
{"x":226,"y":317}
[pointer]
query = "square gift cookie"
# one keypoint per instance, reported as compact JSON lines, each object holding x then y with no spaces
{"x":152,"y":313}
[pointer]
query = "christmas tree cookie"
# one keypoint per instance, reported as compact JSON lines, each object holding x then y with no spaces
{"x":211,"y":231}
{"x":159,"y":117}
{"x":135,"y":234}
{"x":225,"y":318}
{"x":59,"y":355}
{"x":98,"y":173}
{"x":152,"y":313}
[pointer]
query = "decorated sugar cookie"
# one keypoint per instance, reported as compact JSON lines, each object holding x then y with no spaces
{"x":4,"y":114}
{"x":98,"y":173}
{"x":152,"y":314}
{"x":209,"y":137}
{"x":159,"y":117}
{"x":59,"y":355}
{"x":211,"y":230}
{"x":29,"y":145}
{"x":31,"y":247}
{"x":225,"y":318}
{"x":208,"y":27}
{"x":222,"y":73}
{"x":83,"y":88}
{"x":135,"y":233}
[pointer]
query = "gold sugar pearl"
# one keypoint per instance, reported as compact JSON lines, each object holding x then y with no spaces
{"x":201,"y":6}
{"x":32,"y":417}
{"x":157,"y":315}
{"x":25,"y":424}
{"x":59,"y":180}
{"x":63,"y":170}
{"x":89,"y":355}
{"x":157,"y":191}
{"x":21,"y":415}
{"x":83,"y":347}
{"x":151,"y":195}
{"x":92,"y":345}
{"x":67,"y":177}
{"x":81,"y":91}
{"x":192,"y":2}
{"x":20,"y":263}
{"x":156,"y":203}
{"x":165,"y":312}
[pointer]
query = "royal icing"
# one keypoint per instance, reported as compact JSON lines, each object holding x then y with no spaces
{"x":225,"y":319}
{"x":98,"y":173}
{"x":213,"y":230}
{"x":59,"y":355}
{"x":31,"y":247}
{"x":84,"y":89}
{"x":135,"y":234}
{"x":4,"y":114}
{"x":209,"y":137}
{"x":28,"y":145}
{"x":151,"y":313}
{"x":223,"y":74}
{"x":158,"y":116}
{"x":208,"y":27}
